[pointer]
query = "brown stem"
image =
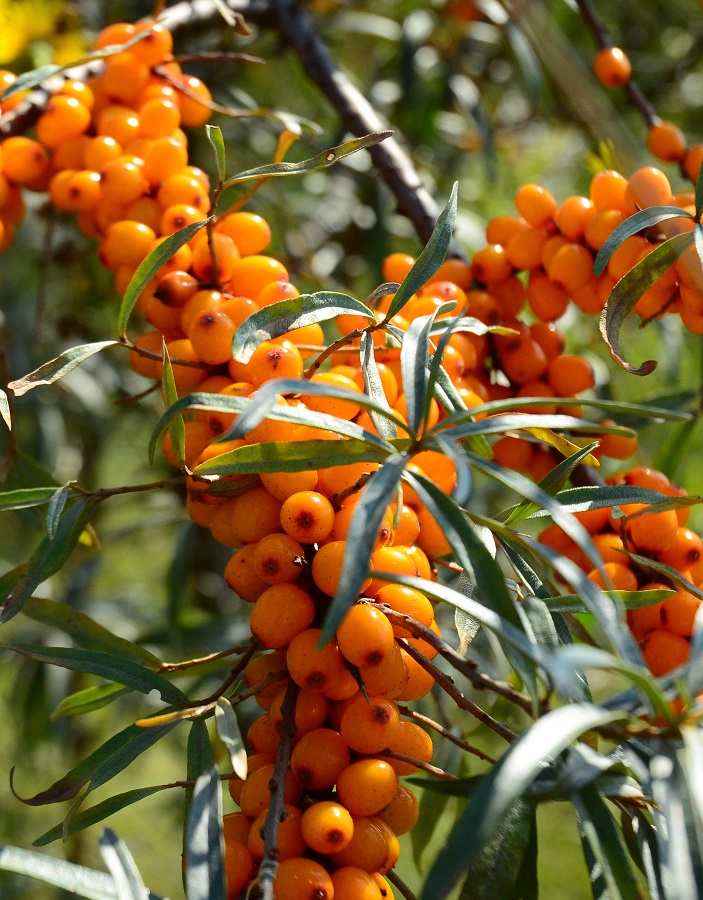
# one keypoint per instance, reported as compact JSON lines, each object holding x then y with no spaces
{"x":233,"y":675}
{"x":152,"y":354}
{"x":337,"y":500}
{"x":448,"y":686}
{"x":103,"y":493}
{"x":211,"y":657}
{"x":276,"y":812}
{"x":397,"y":882}
{"x":217,"y":56}
{"x":357,"y":115}
{"x":421,"y":764}
{"x":440,"y":729}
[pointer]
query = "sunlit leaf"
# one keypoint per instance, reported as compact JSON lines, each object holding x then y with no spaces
{"x":5,"y":412}
{"x":214,"y":135}
{"x":169,"y":392}
{"x":231,"y":736}
{"x":23,"y":498}
{"x":118,"y":859}
{"x":205,"y":873}
{"x":79,"y":880}
{"x":642,"y":219}
{"x":374,"y":388}
{"x":573,"y":603}
{"x":56,"y":368}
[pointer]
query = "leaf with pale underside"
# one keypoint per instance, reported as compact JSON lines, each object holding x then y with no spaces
{"x":58,"y":367}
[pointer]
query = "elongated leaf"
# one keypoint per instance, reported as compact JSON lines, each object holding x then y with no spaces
{"x":504,"y":785}
{"x":603,"y":836}
{"x":583,"y":499}
{"x":205,"y":874}
{"x":57,"y":368}
{"x":48,"y":558}
{"x":169,"y":393}
{"x":5,"y":412}
{"x":106,"y":665}
{"x":90,"y":699}
{"x":464,"y":477}
{"x":86,"y":632}
{"x":56,"y":508}
{"x":366,"y":519}
{"x":79,"y":880}
{"x":662,"y":569}
{"x":280,"y":318}
{"x":572,"y":603}
{"x":23,"y":498}
{"x":628,"y":291}
{"x":290,"y":456}
{"x":374,"y":388}
{"x":524,"y":422}
{"x":431,"y":257}
{"x":103,"y":764}
{"x":642,"y":219}
{"x":118,"y":859}
{"x":551,"y":484}
{"x":315,"y":163}
{"x":641,"y":841}
{"x":214,"y":135}
{"x":507,"y":866}
{"x":414,"y":359}
{"x":231,"y":736}
{"x":149,"y":266}
{"x":200,"y":759}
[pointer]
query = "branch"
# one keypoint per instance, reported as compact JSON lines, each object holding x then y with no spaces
{"x":358,"y":116}
{"x":440,"y":729}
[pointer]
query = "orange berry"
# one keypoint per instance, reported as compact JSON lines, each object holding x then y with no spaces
{"x":126,"y":244}
{"x":256,"y":790}
{"x":608,"y":191}
{"x":491,"y":264}
{"x":256,"y":515}
{"x":409,"y":602}
{"x":653,"y":532}
{"x":647,"y":186}
{"x":612,"y":67}
{"x":251,"y":274}
{"x":239,"y":867}
{"x":327,"y":827}
{"x":396,"y":266}
{"x":211,"y":336}
{"x":678,"y":612}
{"x":271,"y":361}
{"x":401,"y":812}
{"x":194,"y":99}
{"x":573,"y":216}
{"x":365,"y":636}
{"x":24,"y":160}
{"x":622,"y":577}
{"x":179,"y":216}
{"x":413,"y":741}
{"x":258,"y":670}
{"x":523,"y":360}
{"x":366,"y":786}
{"x":318,"y":758}
{"x":290,"y":837}
{"x":302,"y":879}
{"x":664,"y":651}
{"x":278,"y":558}
{"x":535,"y":204}
{"x":327,"y":566}
{"x":283,"y":485}
{"x":666,"y":141}
{"x":570,"y":375}
{"x":368,"y":848}
{"x":353,"y":883}
{"x":249,"y":231}
{"x":684,"y":552}
{"x":280,"y":613}
{"x":647,"y":618}
{"x":307,"y":516}
{"x":156,"y":46}
{"x":313,"y":669}
{"x":63,"y":119}
{"x":263,"y":736}
{"x":369,"y":725}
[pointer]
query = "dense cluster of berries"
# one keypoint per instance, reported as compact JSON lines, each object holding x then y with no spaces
{"x":663,"y":629}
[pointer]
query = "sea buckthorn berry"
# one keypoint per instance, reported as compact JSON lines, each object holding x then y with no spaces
{"x":179,"y":216}
{"x":163,"y":159}
{"x":394,"y":560}
{"x":263,"y":736}
{"x":226,"y":253}
{"x":523,"y":360}
{"x":327,"y":566}
{"x":318,"y":758}
{"x":278,"y":558}
{"x":572,"y":217}
{"x":194,"y":99}
{"x":123,"y":181}
{"x":664,"y":651}
{"x":413,"y":741}
{"x":491,"y":264}
{"x":684,"y":552}
{"x":343,"y":519}
{"x":182,"y":188}
{"x":307,"y":516}
{"x":343,"y":409}
{"x":392,"y":843}
{"x":612,"y":67}
{"x":155,"y":47}
{"x":63,"y":118}
{"x":570,"y":375}
{"x":653,"y":532}
{"x":313,"y":669}
{"x":369,"y":725}
{"x":666,"y":141}
{"x":24,"y":160}
{"x":647,"y":186}
{"x":239,"y":867}
{"x":535,"y":204}
{"x":124,"y":77}
{"x":251,"y":274}
{"x":327,"y":827}
{"x":249,"y":231}
{"x":622,"y":577}
{"x":261,"y":668}
{"x":256,"y":791}
{"x":647,"y":618}
{"x":256,"y":514}
{"x":396,"y":266}
{"x":353,"y":883}
{"x":617,"y":446}
{"x":290,"y":837}
{"x":678,"y":612}
{"x":241,"y":576}
{"x":366,"y":786}
{"x":280,"y":613}
{"x":177,"y":288}
{"x":235,"y":826}
{"x":283,"y":485}
{"x":368,"y":848}
{"x":420,"y":681}
{"x":271,"y":360}
{"x":409,"y":602}
{"x":401,"y":812}
{"x":311,"y":711}
{"x":211,"y":336}
{"x":607,"y":191}
{"x":388,"y":678}
{"x":365,"y":636}
{"x":126,"y":244}
{"x":302,"y":879}
{"x":197,"y":436}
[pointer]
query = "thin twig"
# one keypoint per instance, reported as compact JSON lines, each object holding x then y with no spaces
{"x":397,"y":882}
{"x":103,"y":493}
{"x":211,"y":657}
{"x":421,"y":764}
{"x":217,"y":56}
{"x":440,"y":729}
{"x":152,"y":354}
{"x":233,"y":675}
{"x":276,"y":812}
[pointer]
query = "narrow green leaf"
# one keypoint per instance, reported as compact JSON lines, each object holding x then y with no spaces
{"x":58,"y":367}
{"x":642,"y":219}
{"x":507,"y":866}
{"x":105,"y":665}
{"x":205,"y":873}
{"x":431,"y":257}
{"x":583,"y":499}
{"x":92,"y":698}
{"x":118,"y":859}
{"x":365,"y":522}
{"x":604,"y":838}
{"x":290,"y":456}
{"x":23,"y":498}
{"x":414,"y":359}
{"x":55,"y":510}
{"x":573,"y":603}
{"x":149,"y":266}
{"x":231,"y":736}
{"x":641,"y":841}
{"x":79,"y":880}
{"x":504,"y":785}
{"x":169,"y":393}
{"x":374,"y":388}
{"x":102,"y":764}
{"x":48,"y":558}
{"x":86,"y":632}
{"x":315,"y":163}
{"x":628,"y":291}
{"x":200,"y":759}
{"x":464,"y":477}
{"x":5,"y":412}
{"x":280,"y":318}
{"x":214,"y":135}
{"x":97,"y":813}
{"x":671,"y":574}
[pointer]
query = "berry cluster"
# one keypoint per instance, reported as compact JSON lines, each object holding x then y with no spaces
{"x":663,"y":629}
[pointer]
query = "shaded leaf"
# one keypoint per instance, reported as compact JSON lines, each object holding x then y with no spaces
{"x":205,"y":874}
{"x":630,"y":288}
{"x":150,"y":265}
{"x":635,"y":223}
{"x":414,"y":359}
{"x":214,"y":135}
{"x":48,"y":558}
{"x":279,"y":318}
{"x":118,"y":859}
{"x":58,"y":367}
{"x":573,"y":603}
{"x":431,"y":257}
{"x":231,"y":736}
{"x":23,"y":498}
{"x":86,"y":701}
{"x":641,"y":841}
{"x":200,"y":759}
{"x":57,"y":505}
{"x":374,"y":388}
{"x":169,"y":393}
{"x":582,"y":499}
{"x":79,"y":880}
